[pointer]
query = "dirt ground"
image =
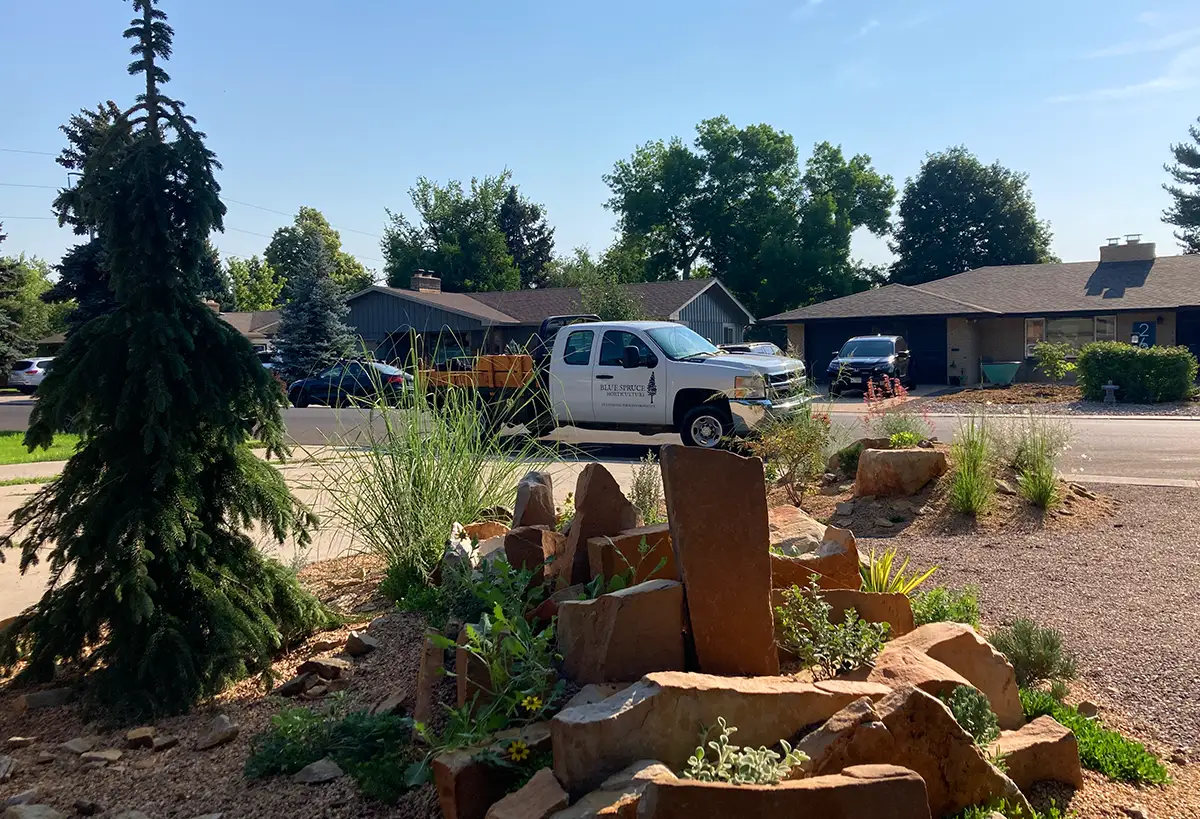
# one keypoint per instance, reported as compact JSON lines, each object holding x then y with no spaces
{"x":1014,"y":394}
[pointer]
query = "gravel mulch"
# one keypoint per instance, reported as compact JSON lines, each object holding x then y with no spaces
{"x":1125,"y":593}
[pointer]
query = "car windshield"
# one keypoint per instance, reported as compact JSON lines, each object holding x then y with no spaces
{"x":867,"y":348}
{"x":679,"y":342}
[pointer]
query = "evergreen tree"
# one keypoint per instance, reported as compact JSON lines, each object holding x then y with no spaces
{"x":529,"y":238}
{"x":1185,"y":212}
{"x":155,"y":585}
{"x":12,"y":345}
{"x":312,"y":328}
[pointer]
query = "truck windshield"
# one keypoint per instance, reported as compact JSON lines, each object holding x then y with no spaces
{"x":867,"y":348}
{"x":679,"y":342}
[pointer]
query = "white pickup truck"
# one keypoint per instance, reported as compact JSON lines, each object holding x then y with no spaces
{"x":658,"y":376}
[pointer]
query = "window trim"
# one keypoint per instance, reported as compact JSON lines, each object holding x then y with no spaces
{"x":600,"y":355}
{"x":1045,"y":322}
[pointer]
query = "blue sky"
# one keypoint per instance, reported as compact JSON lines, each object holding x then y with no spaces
{"x":343,"y":105}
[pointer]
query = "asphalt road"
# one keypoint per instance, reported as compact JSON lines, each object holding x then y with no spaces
{"x":1130,"y":449}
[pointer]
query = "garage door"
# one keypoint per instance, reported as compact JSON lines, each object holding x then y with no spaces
{"x":926,"y":339}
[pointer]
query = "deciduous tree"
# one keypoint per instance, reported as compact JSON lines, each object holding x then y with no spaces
{"x":457,"y":235}
{"x":1184,"y":212}
{"x":12,"y":344}
{"x":256,"y":285}
{"x":529,"y":238}
{"x":156,"y":585}
{"x":288,"y":245}
{"x":957,"y":214}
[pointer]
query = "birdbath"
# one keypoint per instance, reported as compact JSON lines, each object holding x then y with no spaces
{"x":1110,"y":392}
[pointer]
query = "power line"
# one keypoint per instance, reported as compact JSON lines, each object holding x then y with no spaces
{"x":23,"y":185}
{"x":19,"y":151}
{"x":3,"y":218}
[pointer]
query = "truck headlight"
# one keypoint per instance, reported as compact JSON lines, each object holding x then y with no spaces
{"x":750,"y":387}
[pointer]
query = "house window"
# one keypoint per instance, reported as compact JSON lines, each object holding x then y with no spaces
{"x":727,"y":331}
{"x":1077,"y":331}
{"x":1106,"y":328}
{"x":1035,"y":333}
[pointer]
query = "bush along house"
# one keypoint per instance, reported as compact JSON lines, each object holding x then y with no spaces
{"x":997,"y":314}
{"x":449,"y":325}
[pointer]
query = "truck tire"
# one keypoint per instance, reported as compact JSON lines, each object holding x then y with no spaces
{"x":705,"y":425}
{"x":300,"y":398}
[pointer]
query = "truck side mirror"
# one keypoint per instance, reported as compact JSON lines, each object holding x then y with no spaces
{"x":632,"y":358}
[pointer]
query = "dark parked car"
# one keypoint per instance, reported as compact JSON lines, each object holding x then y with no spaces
{"x":351,"y":382}
{"x":866,"y":358}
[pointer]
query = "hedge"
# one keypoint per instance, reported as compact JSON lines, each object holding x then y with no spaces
{"x":1145,"y":376}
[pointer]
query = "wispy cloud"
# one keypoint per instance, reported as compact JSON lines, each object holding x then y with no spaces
{"x":805,"y":9}
{"x":866,"y":28}
{"x":1165,"y":42}
{"x":1183,"y":73}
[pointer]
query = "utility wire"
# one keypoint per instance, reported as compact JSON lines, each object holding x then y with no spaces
{"x":5,"y":218}
{"x":23,"y":185}
{"x":19,"y":151}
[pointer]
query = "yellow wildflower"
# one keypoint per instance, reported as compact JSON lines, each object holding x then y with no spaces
{"x":518,"y":751}
{"x":531,"y":703}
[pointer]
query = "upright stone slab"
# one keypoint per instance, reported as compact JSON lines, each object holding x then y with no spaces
{"x":600,"y":509}
{"x":617,"y":554}
{"x":535,"y":501}
{"x":717,"y":505}
{"x":536,"y":548}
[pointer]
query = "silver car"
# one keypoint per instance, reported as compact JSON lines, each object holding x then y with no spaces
{"x":27,"y":374}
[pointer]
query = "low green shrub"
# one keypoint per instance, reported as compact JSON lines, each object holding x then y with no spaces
{"x":944,"y":605}
{"x":904,"y":440}
{"x":847,"y":458}
{"x":1052,"y":359}
{"x":1036,"y":652}
{"x":740,"y":766}
{"x":1100,"y":749}
{"x":972,"y":482}
{"x":877,"y":574}
{"x":973,"y":712}
{"x":623,"y":579}
{"x":804,"y":630}
{"x":795,"y":447}
{"x":373,"y":750}
{"x":1145,"y":376}
{"x":646,"y":492}
{"x":1011,"y":811}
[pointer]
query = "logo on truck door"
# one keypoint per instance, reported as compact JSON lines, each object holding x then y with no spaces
{"x":628,"y":394}
{"x":651,"y":389}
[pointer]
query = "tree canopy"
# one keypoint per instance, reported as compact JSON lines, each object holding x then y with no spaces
{"x":457,"y":235}
{"x":156,"y":587}
{"x":36,"y":318}
{"x":737,"y":204}
{"x":12,"y":344}
{"x":1184,"y":212}
{"x":255,"y":284}
{"x":529,"y":238}
{"x":288,"y":245}
{"x":312,"y":328}
{"x":957,"y":214}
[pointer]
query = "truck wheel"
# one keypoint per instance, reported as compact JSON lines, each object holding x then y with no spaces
{"x":299,"y":399}
{"x":704,"y":425}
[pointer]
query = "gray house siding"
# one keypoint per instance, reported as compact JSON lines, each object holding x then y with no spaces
{"x":374,"y":315}
{"x":715,"y":316}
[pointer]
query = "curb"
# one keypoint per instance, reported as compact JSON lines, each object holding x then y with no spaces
{"x":1128,"y":480}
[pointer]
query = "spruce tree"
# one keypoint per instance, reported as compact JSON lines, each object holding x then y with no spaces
{"x":1184,"y":213}
{"x":312,"y":328}
{"x":156,"y":588}
{"x":12,"y":345}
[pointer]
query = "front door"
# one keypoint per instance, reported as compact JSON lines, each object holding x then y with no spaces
{"x":623,"y":395}
{"x":571,"y":384}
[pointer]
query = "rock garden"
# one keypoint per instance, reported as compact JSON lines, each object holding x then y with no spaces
{"x":703,"y":651}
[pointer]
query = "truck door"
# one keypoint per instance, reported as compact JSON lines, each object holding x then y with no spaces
{"x":571,"y":378}
{"x":628,"y":395}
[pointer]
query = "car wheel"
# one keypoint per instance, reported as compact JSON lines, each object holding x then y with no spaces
{"x":299,"y":399}
{"x":704,"y":426}
{"x":27,"y":390}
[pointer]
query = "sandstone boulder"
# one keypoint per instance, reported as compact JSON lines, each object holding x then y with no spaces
{"x":359,"y":644}
{"x":615,"y":555}
{"x":536,"y":549}
{"x":962,"y":648}
{"x":621,"y":636}
{"x":905,"y":666}
{"x":466,"y":787}
{"x":538,"y":799}
{"x":618,"y":796}
{"x":472,"y":679}
{"x":853,"y":736}
{"x":834,"y":562}
{"x":535,"y":501}
{"x":662,"y":716}
{"x":219,"y":732}
{"x":429,"y":675}
{"x":484,"y":530}
{"x":1042,"y":751}
{"x":889,"y":472}
{"x":600,"y":509}
{"x":793,"y":531}
{"x":37,"y":700}
{"x":327,"y":668}
{"x":594,"y":692}
{"x":717,"y":505}
{"x":893,"y":609}
{"x":876,"y":791}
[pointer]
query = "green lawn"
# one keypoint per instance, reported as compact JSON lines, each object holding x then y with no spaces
{"x":13,"y":451}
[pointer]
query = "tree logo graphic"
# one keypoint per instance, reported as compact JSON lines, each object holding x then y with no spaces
{"x":651,"y":389}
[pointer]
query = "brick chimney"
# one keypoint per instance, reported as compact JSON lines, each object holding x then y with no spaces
{"x":426,"y":281}
{"x":1134,"y":249}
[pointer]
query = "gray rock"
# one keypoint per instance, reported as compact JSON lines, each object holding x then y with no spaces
{"x":883,"y":523}
{"x":109,"y":755}
{"x":23,"y":798}
{"x":360,"y":643}
{"x":37,"y":700}
{"x":1136,"y":812}
{"x":220,"y":731}
{"x":296,"y":685}
{"x":211,"y":816}
{"x":323,"y":770}
{"x":7,"y":766}
{"x":396,"y":703}
{"x":163,"y":743}
{"x":131,"y":814}
{"x":140,"y":737}
{"x":1004,"y":487}
{"x":79,"y":745}
{"x":88,"y":807}
{"x":319,"y":646}
{"x":20,"y":742}
{"x":327,"y":668}
{"x":94,"y":765}
{"x":1088,"y":708}
{"x":844,"y":508}
{"x":45,"y":758}
{"x":32,"y":812}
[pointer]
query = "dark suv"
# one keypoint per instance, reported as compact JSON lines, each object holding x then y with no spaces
{"x":864,"y":358}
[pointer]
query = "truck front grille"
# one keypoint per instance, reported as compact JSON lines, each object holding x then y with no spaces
{"x":787,"y":384}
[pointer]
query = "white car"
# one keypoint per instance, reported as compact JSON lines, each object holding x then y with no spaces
{"x":27,"y":374}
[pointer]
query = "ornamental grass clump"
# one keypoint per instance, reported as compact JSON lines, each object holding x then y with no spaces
{"x":972,"y":482}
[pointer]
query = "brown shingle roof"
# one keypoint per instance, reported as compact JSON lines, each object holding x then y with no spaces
{"x":463,"y":303}
{"x":253,"y":324}
{"x":1076,"y":287}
